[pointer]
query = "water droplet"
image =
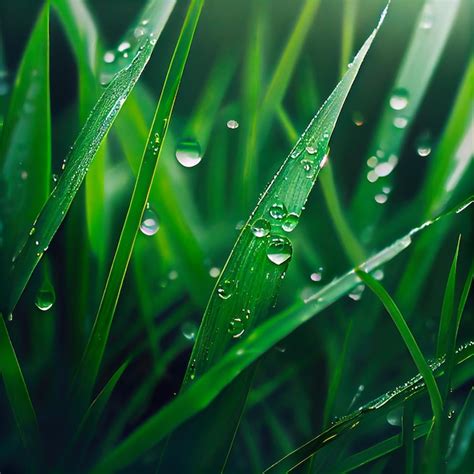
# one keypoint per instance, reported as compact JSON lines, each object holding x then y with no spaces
{"x":150,"y":224}
{"x":311,"y":150}
{"x":236,"y":327}
{"x":400,"y":122}
{"x":188,"y":153}
{"x":372,"y":162}
{"x":356,"y":293}
{"x":45,"y":298}
{"x":10,"y":317}
{"x":214,"y":272}
{"x":173,"y":275}
{"x":232,"y":124}
{"x":279,"y":250}
{"x":399,"y":99}
{"x":109,"y":57}
{"x":123,"y":46}
{"x":192,"y":369}
{"x":139,"y":31}
{"x":372,"y":176}
{"x":225,"y":290}
{"x":24,"y":175}
{"x":378,"y":274}
{"x":290,"y":222}
{"x":189,"y":330}
{"x":261,"y":228}
{"x":308,"y":166}
{"x":381,"y":198}
{"x":317,"y":276}
{"x":427,"y":16}
{"x":423,"y":145}
{"x":384,"y":169}
{"x":358,"y":119}
{"x":394,"y":417}
{"x":278,"y":211}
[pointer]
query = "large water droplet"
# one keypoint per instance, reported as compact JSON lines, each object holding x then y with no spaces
{"x":278,"y":211}
{"x":279,"y":250}
{"x":188,"y":153}
{"x":423,"y":145}
{"x":150,"y":223}
{"x":237,"y":327}
{"x":290,"y":222}
{"x":399,"y":99}
{"x":45,"y":298}
{"x":394,"y":417}
{"x":225,"y":289}
{"x":261,"y":228}
{"x":400,"y":122}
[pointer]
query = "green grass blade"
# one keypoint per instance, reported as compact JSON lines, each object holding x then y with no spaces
{"x":92,"y":358}
{"x":348,"y":29}
{"x":448,"y":320}
{"x":25,"y":144}
{"x":419,"y":63}
{"x":206,"y":388}
{"x":408,"y":339}
{"x":82,"y":154}
{"x":17,"y":392}
{"x":378,"y":450}
{"x":408,"y":436}
{"x":380,"y":406}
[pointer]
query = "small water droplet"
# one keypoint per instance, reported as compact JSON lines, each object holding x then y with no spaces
{"x":150,"y":223}
{"x":236,"y":327}
{"x":356,"y":293}
{"x":188,"y":153}
{"x":378,"y":274}
{"x":189,"y":330}
{"x":290,"y":222}
{"x":372,"y":176}
{"x":381,"y":198}
{"x":10,"y":317}
{"x":232,"y":124}
{"x":311,"y":150}
{"x":261,"y":228}
{"x":173,"y":275}
{"x":317,"y":276}
{"x":394,"y":417}
{"x":278,"y":211}
{"x":308,"y":166}
{"x":358,"y":119}
{"x":400,"y":122}
{"x":109,"y":57}
{"x":399,"y":99}
{"x":423,"y":145}
{"x":214,"y":272}
{"x":225,"y":289}
{"x":279,"y":250}
{"x":372,"y":162}
{"x":45,"y":298}
{"x":24,"y":175}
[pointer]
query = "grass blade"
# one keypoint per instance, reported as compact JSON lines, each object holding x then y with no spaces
{"x":408,"y":339}
{"x":409,"y":88}
{"x":206,"y":388}
{"x":82,"y":154}
{"x":18,"y":395}
{"x":92,"y":358}
{"x":25,"y":144}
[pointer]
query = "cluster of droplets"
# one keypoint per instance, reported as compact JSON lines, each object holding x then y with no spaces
{"x":116,"y":60}
{"x":188,"y":153}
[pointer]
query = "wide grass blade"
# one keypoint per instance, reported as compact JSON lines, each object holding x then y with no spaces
{"x":92,"y":358}
{"x":25,"y":145}
{"x":18,"y":395}
{"x":83,"y":152}
{"x":206,"y":388}
{"x":429,"y":38}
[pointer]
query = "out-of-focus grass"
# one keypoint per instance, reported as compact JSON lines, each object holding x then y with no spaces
{"x":267,"y":385}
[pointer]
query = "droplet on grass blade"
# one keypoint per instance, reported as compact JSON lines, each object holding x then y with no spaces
{"x":399,"y":99}
{"x":279,"y":250}
{"x":290,"y":222}
{"x":226,"y":289}
{"x":261,"y":228}
{"x":278,"y":211}
{"x":232,"y":124}
{"x":189,"y":330}
{"x":45,"y":299}
{"x":423,"y":145}
{"x":356,"y":293}
{"x":188,"y":153}
{"x":150,"y":223}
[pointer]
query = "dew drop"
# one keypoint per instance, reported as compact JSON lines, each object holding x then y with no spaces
{"x":124,"y":46}
{"x":308,"y":167}
{"x":400,"y":122}
{"x":381,"y":198}
{"x":372,"y":162}
{"x":225,"y":289}
{"x":188,"y":153}
{"x":150,"y":223}
{"x":356,"y":293}
{"x":394,"y":417}
{"x":189,"y":330}
{"x":232,"y":124}
{"x":109,"y":57}
{"x":261,"y":228}
{"x":290,"y":222}
{"x":10,"y":317}
{"x":423,"y":145}
{"x":311,"y":150}
{"x":45,"y":298}
{"x":236,"y":327}
{"x":278,"y":211}
{"x":399,"y":99}
{"x":214,"y":272}
{"x":279,"y":250}
{"x":358,"y":119}
{"x":317,"y":276}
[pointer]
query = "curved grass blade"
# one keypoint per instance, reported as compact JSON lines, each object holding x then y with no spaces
{"x":82,"y":153}
{"x":200,"y":394}
{"x":92,"y":358}
{"x":25,"y":144}
{"x":382,"y":405}
{"x":206,"y":388}
{"x":409,"y":340}
{"x":427,"y":43}
{"x":18,"y":395}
